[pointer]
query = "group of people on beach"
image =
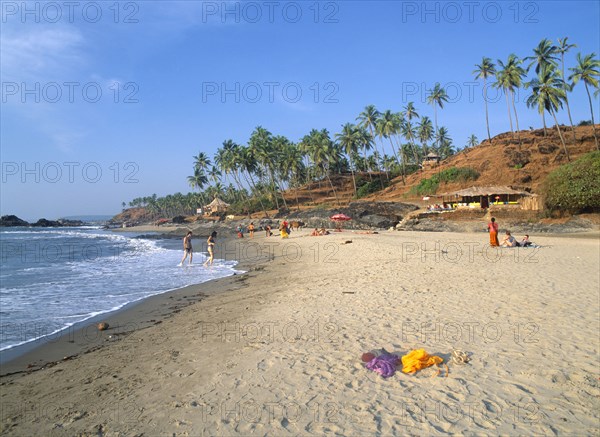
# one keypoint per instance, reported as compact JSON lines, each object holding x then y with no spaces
{"x":188,"y":250}
{"x":508,"y":240}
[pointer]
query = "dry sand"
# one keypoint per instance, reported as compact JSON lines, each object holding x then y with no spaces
{"x":277,"y":351}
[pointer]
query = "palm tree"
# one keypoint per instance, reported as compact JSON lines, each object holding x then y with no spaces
{"x":202,"y":161}
{"x":587,"y":70}
{"x":562,"y":48}
{"x":294,"y":166}
{"x":444,"y":142}
{"x":509,"y":78}
{"x":537,"y":100}
{"x":368,"y":119}
{"x":408,"y":132}
{"x":425,"y":133}
{"x":364,"y":140}
{"x":387,"y":125}
{"x":547,"y":88}
{"x":544,"y":55}
{"x":348,"y":140}
{"x":324,"y":155}
{"x":437,"y":97}
{"x":198,"y":180}
{"x":266,"y":155}
{"x":485,"y":70}
{"x":472,"y":141}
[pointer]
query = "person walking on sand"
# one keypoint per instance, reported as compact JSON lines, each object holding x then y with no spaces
{"x":187,"y":248}
{"x":211,"y":248}
{"x":251,"y":229}
{"x":493,"y":230}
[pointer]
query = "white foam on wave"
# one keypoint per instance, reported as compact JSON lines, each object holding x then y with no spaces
{"x":88,"y":288}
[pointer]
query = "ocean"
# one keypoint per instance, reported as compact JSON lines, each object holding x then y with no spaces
{"x":53,"y":278}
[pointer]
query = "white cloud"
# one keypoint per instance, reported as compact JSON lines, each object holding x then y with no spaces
{"x":40,"y":52}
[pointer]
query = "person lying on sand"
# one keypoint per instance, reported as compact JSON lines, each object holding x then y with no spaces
{"x":525,"y":242}
{"x":509,"y":241}
{"x":315,"y":233}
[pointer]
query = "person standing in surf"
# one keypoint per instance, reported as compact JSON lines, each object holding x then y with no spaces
{"x":211,"y":248}
{"x":187,"y":248}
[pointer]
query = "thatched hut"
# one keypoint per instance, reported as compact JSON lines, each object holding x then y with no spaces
{"x":216,"y":206}
{"x":485,"y":196}
{"x":431,"y":160}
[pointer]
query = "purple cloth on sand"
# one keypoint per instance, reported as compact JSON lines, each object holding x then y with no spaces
{"x":384,"y":364}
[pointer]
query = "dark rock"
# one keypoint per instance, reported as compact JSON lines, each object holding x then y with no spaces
{"x":365,"y":215}
{"x":12,"y":220}
{"x":179,"y":219}
{"x":43,"y":223}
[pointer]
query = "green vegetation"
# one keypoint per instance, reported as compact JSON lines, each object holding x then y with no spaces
{"x":369,"y":188}
{"x":453,"y":174}
{"x":575,"y":187}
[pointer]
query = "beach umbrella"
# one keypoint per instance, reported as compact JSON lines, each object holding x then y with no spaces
{"x":339,"y":218}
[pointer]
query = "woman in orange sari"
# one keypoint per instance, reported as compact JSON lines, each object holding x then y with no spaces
{"x":493,"y":230}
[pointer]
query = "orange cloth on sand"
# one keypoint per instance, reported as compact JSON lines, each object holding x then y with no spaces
{"x":419,"y":359}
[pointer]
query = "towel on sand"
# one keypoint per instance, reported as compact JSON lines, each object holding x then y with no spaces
{"x":419,"y":359}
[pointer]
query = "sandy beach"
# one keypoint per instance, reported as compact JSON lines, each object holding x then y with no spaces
{"x":277,"y":351}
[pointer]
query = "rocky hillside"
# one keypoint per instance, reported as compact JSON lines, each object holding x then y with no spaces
{"x":505,"y":161}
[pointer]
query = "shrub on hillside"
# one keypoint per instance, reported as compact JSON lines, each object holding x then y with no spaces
{"x":575,"y":187}
{"x":452,"y":174}
{"x":366,"y":188}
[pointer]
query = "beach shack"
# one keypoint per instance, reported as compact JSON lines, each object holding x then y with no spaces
{"x":484,"y":197}
{"x":216,"y":206}
{"x":431,"y":160}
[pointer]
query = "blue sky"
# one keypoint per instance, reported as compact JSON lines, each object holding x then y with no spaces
{"x":105,"y":103}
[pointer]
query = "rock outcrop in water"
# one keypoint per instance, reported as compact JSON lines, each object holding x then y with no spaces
{"x":13,"y":220}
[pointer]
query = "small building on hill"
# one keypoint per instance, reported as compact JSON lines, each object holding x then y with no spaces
{"x":216,"y":206}
{"x":484,"y":197}
{"x":431,"y":160}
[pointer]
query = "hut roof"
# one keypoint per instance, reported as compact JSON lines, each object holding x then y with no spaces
{"x":485,"y":191}
{"x":217,"y":203}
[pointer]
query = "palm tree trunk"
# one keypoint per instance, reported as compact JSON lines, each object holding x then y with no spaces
{"x":376,"y":151}
{"x":394,"y":150}
{"x":383,"y":151}
{"x":592,"y":111}
{"x":262,"y":206}
{"x":436,"y":126}
{"x":283,"y":197}
{"x":560,"y":135}
{"x":333,"y":188}
{"x":487,"y":121}
{"x":239,"y":184}
{"x":544,"y":123}
{"x":353,"y":177}
{"x":509,"y":116}
{"x":562,"y":58}
{"x":403,"y":164}
{"x":365,"y":156}
{"x":516,"y":120}
{"x":273,"y":188}
{"x":297,"y":200}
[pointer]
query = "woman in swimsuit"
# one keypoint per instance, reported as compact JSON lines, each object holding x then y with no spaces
{"x":211,"y":245}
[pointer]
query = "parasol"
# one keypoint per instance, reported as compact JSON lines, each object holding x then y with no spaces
{"x":339,"y":218}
